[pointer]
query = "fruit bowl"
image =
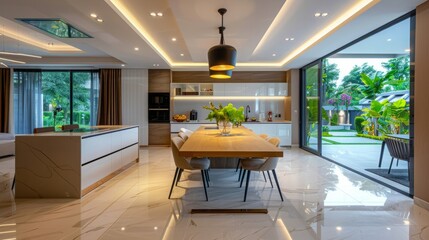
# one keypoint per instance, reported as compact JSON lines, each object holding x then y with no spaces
{"x":179,"y":117}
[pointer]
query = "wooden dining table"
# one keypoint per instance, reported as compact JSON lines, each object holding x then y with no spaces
{"x":242,"y":142}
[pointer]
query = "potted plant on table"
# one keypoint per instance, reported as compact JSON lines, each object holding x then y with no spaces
{"x":225,"y":116}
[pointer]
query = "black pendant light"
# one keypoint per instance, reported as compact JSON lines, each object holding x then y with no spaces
{"x":222,"y":57}
{"x":221,"y":74}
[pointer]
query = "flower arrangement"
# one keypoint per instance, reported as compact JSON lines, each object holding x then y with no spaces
{"x":225,"y":116}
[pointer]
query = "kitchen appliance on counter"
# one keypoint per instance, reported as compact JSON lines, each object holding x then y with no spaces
{"x":270,"y":116}
{"x":193,"y":116}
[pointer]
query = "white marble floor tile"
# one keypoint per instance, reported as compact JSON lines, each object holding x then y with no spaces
{"x":321,"y":201}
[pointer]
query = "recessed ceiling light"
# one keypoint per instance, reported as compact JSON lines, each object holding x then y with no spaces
{"x":99,"y":20}
{"x":292,"y":39}
{"x":136,"y":49}
{"x":159,"y":14}
{"x":407,"y":50}
{"x":182,"y":54}
{"x":122,"y":228}
{"x":153,"y":14}
{"x":274,"y":54}
{"x":173,"y":39}
{"x":93,"y":15}
{"x":389,"y":39}
{"x":339,"y":228}
{"x":122,"y":65}
{"x":287,"y":39}
{"x":317,"y":14}
{"x":155,"y":228}
{"x":324,"y":14}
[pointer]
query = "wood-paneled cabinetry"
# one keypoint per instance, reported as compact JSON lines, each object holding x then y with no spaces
{"x":159,"y":82}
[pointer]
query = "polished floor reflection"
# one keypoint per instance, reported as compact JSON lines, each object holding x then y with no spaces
{"x":322,"y":201}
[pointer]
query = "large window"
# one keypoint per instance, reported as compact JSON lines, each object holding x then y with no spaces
{"x":59,"y":98}
{"x":364,"y":98}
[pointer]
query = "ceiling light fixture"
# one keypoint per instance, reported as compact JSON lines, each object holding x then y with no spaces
{"x":122,"y":65}
{"x":20,"y":54}
{"x":287,"y":39}
{"x":93,"y":15}
{"x":274,"y":55}
{"x":221,"y":74}
{"x":153,"y":14}
{"x":99,"y":20}
{"x":317,"y":14}
{"x":173,"y":39}
{"x":222,"y":57}
{"x":292,"y":39}
{"x":389,"y":39}
{"x":160,"y":14}
{"x":182,"y":54}
{"x":10,"y":60}
{"x":324,"y":14}
{"x":136,"y":49}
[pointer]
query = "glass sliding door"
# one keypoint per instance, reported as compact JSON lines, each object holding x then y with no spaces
{"x":85,"y":98}
{"x":311,"y":101}
{"x":56,"y":98}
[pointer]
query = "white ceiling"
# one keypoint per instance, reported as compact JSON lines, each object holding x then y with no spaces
{"x":257,"y":29}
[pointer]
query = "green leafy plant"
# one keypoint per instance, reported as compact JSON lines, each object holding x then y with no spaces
{"x":381,"y":138}
{"x":229,"y":113}
{"x":334,"y":119}
{"x":397,"y":115}
{"x":358,"y":124}
{"x":372,"y":86}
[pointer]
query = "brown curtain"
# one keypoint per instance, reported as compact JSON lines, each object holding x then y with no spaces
{"x":109,"y":105}
{"x":4,"y":99}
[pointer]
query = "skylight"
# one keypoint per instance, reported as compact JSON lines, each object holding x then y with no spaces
{"x":56,"y":27}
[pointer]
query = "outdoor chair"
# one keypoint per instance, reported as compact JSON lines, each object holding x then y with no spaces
{"x":400,"y":150}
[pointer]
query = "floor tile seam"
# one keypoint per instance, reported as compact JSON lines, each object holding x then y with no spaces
{"x":106,"y":211}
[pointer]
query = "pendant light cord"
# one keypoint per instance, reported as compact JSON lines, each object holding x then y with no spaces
{"x":221,"y":11}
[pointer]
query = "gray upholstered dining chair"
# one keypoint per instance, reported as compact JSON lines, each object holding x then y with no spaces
{"x":260,"y":164}
{"x":183,"y":136}
{"x":400,"y":150}
{"x":187,"y":164}
{"x":262,"y":135}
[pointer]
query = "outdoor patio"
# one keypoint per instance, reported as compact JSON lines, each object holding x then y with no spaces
{"x":359,"y":154}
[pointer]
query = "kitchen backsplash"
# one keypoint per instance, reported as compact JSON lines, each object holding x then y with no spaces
{"x":257,"y":106}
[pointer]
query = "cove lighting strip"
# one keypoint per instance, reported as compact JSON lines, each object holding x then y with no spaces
{"x":229,"y":97}
{"x":363,"y":5}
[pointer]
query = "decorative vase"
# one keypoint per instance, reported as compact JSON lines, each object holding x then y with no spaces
{"x":225,"y":128}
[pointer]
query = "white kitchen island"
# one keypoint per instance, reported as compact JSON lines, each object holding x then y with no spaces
{"x":71,"y":164}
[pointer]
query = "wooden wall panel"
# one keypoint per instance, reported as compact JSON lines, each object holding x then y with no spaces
{"x":421,"y":99}
{"x":159,"y":134}
{"x":159,"y":80}
{"x":238,"y":76}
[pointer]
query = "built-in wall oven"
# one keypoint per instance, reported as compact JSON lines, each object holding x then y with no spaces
{"x":159,"y":107}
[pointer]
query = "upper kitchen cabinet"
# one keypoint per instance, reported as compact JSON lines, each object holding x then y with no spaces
{"x":159,"y":80}
{"x":265,"y":89}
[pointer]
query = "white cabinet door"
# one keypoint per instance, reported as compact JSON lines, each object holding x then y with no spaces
{"x":269,"y":129}
{"x":234,"y":89}
{"x":255,"y":89}
{"x":218,"y":89}
{"x":284,"y":133}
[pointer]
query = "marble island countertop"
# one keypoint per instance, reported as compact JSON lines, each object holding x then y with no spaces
{"x":83,"y":132}
{"x":249,"y":122}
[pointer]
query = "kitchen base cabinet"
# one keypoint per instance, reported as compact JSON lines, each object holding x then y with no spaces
{"x":280,"y":130}
{"x":71,"y":164}
{"x":159,"y":134}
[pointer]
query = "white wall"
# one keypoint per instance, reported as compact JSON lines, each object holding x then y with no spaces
{"x":135,"y":101}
